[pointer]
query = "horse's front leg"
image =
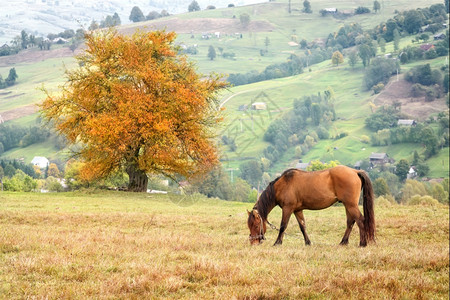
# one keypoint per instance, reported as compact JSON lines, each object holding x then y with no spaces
{"x":302,"y":224}
{"x":286,"y":214}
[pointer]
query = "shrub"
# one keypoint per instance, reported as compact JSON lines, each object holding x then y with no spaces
{"x":362,"y":10}
{"x":365,"y":139}
{"x":417,"y":90}
{"x":229,"y":55}
{"x":341,"y":135}
{"x":378,"y":88}
{"x":252,"y":196}
{"x":20,"y":182}
{"x":424,"y":75}
{"x":323,"y":133}
{"x":431,"y":54}
{"x":422,"y":200}
{"x":385,"y":201}
{"x":52,"y":184}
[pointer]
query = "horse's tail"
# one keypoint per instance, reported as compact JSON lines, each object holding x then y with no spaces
{"x":368,"y":206}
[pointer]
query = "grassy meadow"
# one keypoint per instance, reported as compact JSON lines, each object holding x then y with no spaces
{"x":113,"y":245}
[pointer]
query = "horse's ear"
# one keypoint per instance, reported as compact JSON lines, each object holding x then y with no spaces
{"x":248,"y":212}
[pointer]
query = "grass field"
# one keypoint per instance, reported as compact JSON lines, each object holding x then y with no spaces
{"x":113,"y":245}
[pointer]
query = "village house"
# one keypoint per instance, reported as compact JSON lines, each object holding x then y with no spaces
{"x":411,"y":173}
{"x":331,"y":10}
{"x":439,"y":36}
{"x":406,"y":123}
{"x":379,"y":158}
{"x":426,"y":47}
{"x":40,"y":161}
{"x":259,"y":106}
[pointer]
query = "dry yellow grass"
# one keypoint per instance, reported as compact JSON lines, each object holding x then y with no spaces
{"x":130,"y":246}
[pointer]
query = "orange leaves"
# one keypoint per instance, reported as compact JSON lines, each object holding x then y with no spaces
{"x":134,"y":101}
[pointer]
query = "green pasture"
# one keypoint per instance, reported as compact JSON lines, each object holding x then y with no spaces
{"x":116,"y":245}
{"x":439,"y":164}
{"x":46,"y":149}
{"x":32,"y":77}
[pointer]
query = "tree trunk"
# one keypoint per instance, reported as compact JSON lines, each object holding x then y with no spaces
{"x":138,"y":179}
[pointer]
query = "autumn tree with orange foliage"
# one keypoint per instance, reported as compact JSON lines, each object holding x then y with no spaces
{"x":135,"y":104}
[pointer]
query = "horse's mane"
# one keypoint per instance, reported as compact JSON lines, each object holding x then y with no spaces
{"x":267,"y":198}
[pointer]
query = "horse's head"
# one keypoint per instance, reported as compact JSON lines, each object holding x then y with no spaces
{"x":257,"y":227}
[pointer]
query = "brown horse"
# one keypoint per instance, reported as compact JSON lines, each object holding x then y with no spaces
{"x":296,"y":190}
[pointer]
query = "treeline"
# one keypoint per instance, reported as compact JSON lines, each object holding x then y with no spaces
{"x":16,"y":136}
{"x":25,"y":41}
{"x":404,"y":23}
{"x":17,"y":176}
{"x":428,"y":82}
{"x":367,"y":44}
{"x":136,"y":15}
{"x":377,"y":75}
{"x":387,"y":132}
{"x":9,"y":168}
{"x":389,"y":191}
{"x":108,"y":21}
{"x":292,"y":67}
{"x":302,"y":127}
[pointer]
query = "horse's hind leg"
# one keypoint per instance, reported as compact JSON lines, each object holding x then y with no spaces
{"x":354,"y":215}
{"x":350,"y":223}
{"x":284,"y":222}
{"x":302,"y":224}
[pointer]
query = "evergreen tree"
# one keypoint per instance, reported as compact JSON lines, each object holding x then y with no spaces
{"x":352,"y":58}
{"x":382,"y":44}
{"x":116,"y":20}
{"x":211,"y":53}
{"x":402,"y":169}
{"x":12,"y":76}
{"x":396,"y":36}
{"x":136,"y":15}
{"x":193,"y":6}
{"x":376,"y":6}
{"x":307,"y":7}
{"x":416,"y":158}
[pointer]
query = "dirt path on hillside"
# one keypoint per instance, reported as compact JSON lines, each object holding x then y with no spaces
{"x":415,"y":108}
{"x":34,"y":55}
{"x":18,"y":112}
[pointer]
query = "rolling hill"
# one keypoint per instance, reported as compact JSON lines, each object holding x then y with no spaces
{"x":222,"y":29}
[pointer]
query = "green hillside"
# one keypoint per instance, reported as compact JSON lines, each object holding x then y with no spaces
{"x":271,"y":29}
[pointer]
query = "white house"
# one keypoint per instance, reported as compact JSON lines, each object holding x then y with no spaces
{"x":40,"y":161}
{"x":406,"y":122}
{"x":259,"y":106}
